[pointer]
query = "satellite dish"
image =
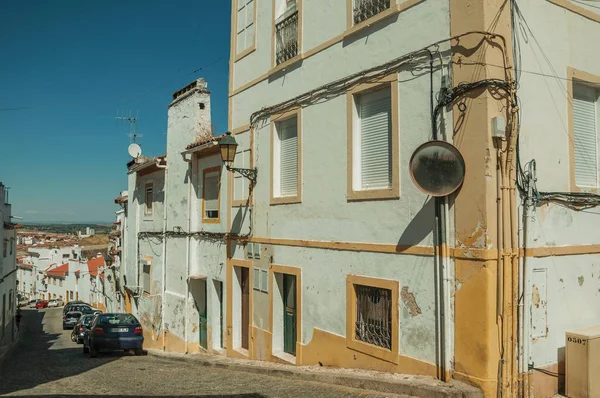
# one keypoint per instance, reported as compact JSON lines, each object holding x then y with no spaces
{"x":134,"y":150}
{"x":437,"y":168}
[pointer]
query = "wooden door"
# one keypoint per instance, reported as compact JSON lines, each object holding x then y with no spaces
{"x":203,"y":321}
{"x":245,"y":285}
{"x":289,"y":314}
{"x":219,"y":287}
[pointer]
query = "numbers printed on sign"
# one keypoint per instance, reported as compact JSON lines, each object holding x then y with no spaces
{"x":576,"y":340}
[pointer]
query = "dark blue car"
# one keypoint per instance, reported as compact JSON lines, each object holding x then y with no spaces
{"x":113,"y":332}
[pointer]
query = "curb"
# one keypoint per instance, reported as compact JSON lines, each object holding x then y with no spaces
{"x":415,"y":386}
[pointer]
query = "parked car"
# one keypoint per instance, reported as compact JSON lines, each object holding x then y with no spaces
{"x":113,"y":332}
{"x":41,"y":304}
{"x":70,"y":319}
{"x":80,"y":328}
{"x":32,"y":303}
{"x":52,"y":303}
{"x":67,"y":306}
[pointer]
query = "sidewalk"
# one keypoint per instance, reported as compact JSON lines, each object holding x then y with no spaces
{"x":7,"y":348}
{"x":414,"y":386}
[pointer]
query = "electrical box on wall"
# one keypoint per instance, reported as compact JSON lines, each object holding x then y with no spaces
{"x":582,"y":363}
{"x":498,"y":127}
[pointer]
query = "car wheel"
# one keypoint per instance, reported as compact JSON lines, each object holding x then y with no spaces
{"x":73,"y":338}
{"x":138,"y":351}
{"x":93,"y":352}
{"x":85,"y":349}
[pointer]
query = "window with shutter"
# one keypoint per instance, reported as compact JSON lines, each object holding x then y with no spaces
{"x":374,"y":112}
{"x":373,"y":139}
{"x":210,"y":194}
{"x":288,"y":167}
{"x":149,"y":200}
{"x":146,"y":277}
{"x":245,"y":25}
{"x":585,"y":135}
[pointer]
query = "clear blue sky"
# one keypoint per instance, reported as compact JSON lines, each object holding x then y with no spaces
{"x":71,"y":65}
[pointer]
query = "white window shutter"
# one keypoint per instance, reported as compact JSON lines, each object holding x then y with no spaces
{"x":375,"y":113}
{"x":211,"y":192}
{"x":585,"y":128}
{"x":288,"y":167}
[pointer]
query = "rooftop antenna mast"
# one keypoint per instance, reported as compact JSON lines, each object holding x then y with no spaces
{"x":133,"y":134}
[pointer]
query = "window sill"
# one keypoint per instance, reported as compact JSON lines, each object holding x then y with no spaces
{"x":285,"y":200}
{"x":393,"y":10}
{"x":285,"y":65}
{"x":211,"y":221}
{"x":594,"y":190}
{"x":245,"y":53}
{"x":374,"y":194}
{"x":240,"y":203}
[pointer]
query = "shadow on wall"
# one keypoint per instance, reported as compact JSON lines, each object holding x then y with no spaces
{"x":420,"y":226}
{"x":34,"y":351}
{"x":238,"y":220}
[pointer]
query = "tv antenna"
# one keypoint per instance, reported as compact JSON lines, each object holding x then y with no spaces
{"x":133,"y":134}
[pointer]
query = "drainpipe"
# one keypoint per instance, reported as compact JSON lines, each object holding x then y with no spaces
{"x":526,"y":285}
{"x":164,"y":255}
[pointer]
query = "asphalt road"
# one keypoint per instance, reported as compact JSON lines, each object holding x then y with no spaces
{"x":46,"y":363}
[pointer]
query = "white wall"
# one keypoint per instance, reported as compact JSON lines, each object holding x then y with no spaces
{"x":568,"y":286}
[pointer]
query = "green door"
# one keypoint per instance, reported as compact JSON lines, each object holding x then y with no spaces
{"x":289,"y":314}
{"x":203,"y":321}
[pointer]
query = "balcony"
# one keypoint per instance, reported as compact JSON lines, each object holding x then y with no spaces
{"x":286,"y":36}
{"x":365,"y":9}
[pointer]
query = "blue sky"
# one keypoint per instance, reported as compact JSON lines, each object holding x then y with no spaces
{"x":71,"y":65}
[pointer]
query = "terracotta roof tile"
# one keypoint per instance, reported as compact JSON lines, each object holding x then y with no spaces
{"x":94,"y":264}
{"x":203,"y":141}
{"x":60,"y":271}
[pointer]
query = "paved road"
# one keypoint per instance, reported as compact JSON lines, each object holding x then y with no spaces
{"x":46,"y":363}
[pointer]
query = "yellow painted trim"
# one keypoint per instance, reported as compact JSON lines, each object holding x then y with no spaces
{"x":374,"y":194}
{"x":232,"y":35}
{"x":347,"y":246}
{"x":549,"y":251}
{"x":576,"y":9}
{"x":275,"y":120}
{"x":252,"y":47}
{"x":357,"y":345}
{"x":315,"y":50}
{"x":204,"y":172}
{"x":584,"y":77}
{"x":297,"y":272}
{"x":241,"y":129}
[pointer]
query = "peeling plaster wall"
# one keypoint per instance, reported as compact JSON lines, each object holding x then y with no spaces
{"x":324,"y":292}
{"x":572,"y":284}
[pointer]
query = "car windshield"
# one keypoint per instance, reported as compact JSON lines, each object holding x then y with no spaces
{"x":74,"y":315}
{"x":117,"y":319}
{"x":87,"y":320}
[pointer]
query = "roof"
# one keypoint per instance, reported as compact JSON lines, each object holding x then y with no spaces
{"x":150,"y":163}
{"x":202,"y":141}
{"x":60,"y":271}
{"x":94,"y":264}
{"x":121,"y":199}
{"x":24,"y":265}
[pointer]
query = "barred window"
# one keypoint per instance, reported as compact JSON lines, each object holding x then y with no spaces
{"x":365,"y":9}
{"x":374,"y":315}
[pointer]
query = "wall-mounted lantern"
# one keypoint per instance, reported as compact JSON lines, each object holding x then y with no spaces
{"x":228,"y":147}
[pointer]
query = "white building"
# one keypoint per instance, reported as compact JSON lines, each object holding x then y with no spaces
{"x":174,"y":212}
{"x":330,"y":100}
{"x":8,"y":270}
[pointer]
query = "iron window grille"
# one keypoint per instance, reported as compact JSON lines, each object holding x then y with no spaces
{"x":365,"y":9}
{"x":374,"y":316}
{"x":286,"y":34}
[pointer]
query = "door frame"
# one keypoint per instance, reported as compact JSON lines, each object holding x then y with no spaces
{"x":231,"y":350}
{"x":297,"y":272}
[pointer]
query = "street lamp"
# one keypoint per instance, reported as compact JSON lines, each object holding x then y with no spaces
{"x":228,"y":147}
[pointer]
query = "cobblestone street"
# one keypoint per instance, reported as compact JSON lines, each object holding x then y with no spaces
{"x":46,"y":363}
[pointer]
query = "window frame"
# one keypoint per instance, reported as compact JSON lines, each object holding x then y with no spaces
{"x":575,"y":77}
{"x":234,"y":32}
{"x":383,"y":193}
{"x":206,"y":171}
{"x":146,"y":186}
{"x":274,"y":66}
{"x":361,"y":346}
{"x":275,"y":120}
